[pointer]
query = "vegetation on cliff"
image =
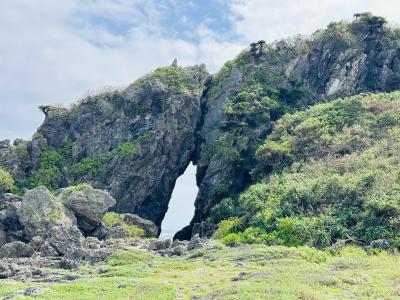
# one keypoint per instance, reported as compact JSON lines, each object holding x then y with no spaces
{"x":329,"y":173}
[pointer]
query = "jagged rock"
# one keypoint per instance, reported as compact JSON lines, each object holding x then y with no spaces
{"x":47,"y":250}
{"x":204,"y":230}
{"x":176,"y":243}
{"x":89,"y":206}
{"x":8,"y":212}
{"x":3,"y":237}
{"x":65,"y":238}
{"x":16,"y":249}
{"x":379,"y":244}
{"x":38,"y":211}
{"x":170,"y":124}
{"x":150,"y":229}
{"x":179,"y":250}
{"x":5,"y":271}
{"x":160,"y":244}
{"x":195,"y":243}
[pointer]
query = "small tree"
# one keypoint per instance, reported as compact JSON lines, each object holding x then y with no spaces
{"x":45,"y":109}
{"x":6,"y":181}
{"x":261,"y":44}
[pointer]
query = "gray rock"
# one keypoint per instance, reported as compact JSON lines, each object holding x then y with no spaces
{"x":150,"y":229}
{"x":89,"y":206}
{"x":196,"y":243}
{"x":3,"y":237}
{"x":179,"y":250}
{"x":176,"y":243}
{"x":39,"y":211}
{"x":16,"y":249}
{"x":160,"y":244}
{"x":379,"y":244}
{"x":65,"y":238}
{"x":204,"y":229}
{"x":32,"y":291}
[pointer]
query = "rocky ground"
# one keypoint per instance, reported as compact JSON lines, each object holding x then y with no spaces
{"x":44,"y":236}
{"x":218,"y":272}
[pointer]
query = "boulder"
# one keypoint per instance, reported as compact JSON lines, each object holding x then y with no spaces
{"x":196,"y":243}
{"x":8,"y":212}
{"x":160,"y":245}
{"x":179,"y":250}
{"x":379,"y":244}
{"x":15,"y":250}
{"x":150,"y":229}
{"x":38,"y":211}
{"x":65,"y":238}
{"x":88,"y":205}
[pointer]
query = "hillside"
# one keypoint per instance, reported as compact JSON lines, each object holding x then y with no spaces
{"x":326,"y":174}
{"x":297,"y":148}
{"x":136,"y":142}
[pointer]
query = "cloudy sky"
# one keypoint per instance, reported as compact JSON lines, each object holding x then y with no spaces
{"x":53,"y":51}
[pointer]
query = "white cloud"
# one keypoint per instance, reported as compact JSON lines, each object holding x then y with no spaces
{"x":274,"y":19}
{"x":54,"y":51}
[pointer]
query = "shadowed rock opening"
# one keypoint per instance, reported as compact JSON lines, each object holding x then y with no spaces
{"x":181,"y":205}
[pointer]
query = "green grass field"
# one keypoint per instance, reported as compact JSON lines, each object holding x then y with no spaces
{"x":247,"y":272}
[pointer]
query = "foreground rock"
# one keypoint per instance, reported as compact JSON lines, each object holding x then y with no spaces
{"x":41,"y":224}
{"x":88,"y":205}
{"x":167,"y":247}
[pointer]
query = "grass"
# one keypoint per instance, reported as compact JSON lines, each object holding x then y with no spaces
{"x":268,"y":273}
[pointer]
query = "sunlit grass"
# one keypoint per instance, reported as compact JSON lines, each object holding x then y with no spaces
{"x":267,"y":273}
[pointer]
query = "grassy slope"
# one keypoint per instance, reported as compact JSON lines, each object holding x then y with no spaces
{"x":270,"y":273}
{"x":330,"y":172}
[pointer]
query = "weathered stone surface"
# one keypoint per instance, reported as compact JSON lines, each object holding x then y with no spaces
{"x":160,"y":244}
{"x":173,"y":125}
{"x":195,"y":243}
{"x":3,"y":237}
{"x":64,"y":238}
{"x":16,"y":249}
{"x":38,"y":211}
{"x":150,"y":229}
{"x":204,"y":230}
{"x":89,"y":206}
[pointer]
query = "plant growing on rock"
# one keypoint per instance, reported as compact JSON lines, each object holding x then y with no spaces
{"x":6,"y":181}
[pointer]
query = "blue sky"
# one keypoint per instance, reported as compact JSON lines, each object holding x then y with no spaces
{"x":54,"y":51}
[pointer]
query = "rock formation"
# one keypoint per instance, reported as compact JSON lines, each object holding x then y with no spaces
{"x":135,"y":143}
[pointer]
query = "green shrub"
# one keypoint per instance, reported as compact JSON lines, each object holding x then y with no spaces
{"x":133,"y":230}
{"x":341,"y":180}
{"x":272,"y":153}
{"x":112,"y":219}
{"x":96,"y":164}
{"x":6,"y":181}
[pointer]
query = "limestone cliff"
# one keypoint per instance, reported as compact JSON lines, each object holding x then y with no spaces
{"x":135,"y":143}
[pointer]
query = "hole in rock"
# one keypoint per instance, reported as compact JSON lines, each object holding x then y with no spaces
{"x":181,"y":206}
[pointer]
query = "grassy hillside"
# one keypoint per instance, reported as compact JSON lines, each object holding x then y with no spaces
{"x":326,"y":174}
{"x":247,"y":272}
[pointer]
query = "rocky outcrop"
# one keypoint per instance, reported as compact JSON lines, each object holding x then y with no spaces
{"x":136,"y":142}
{"x":345,"y":59}
{"x":42,"y":224}
{"x":88,"y":205}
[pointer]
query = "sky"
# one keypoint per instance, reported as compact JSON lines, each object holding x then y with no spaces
{"x":54,"y":51}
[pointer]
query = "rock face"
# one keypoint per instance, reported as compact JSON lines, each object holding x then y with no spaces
{"x":135,"y":143}
{"x":345,"y":59}
{"x":88,"y":205}
{"x":42,"y":224}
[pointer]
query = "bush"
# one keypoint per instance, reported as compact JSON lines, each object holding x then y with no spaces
{"x":6,"y":181}
{"x":341,"y":181}
{"x":274,"y":154}
{"x":112,"y":219}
